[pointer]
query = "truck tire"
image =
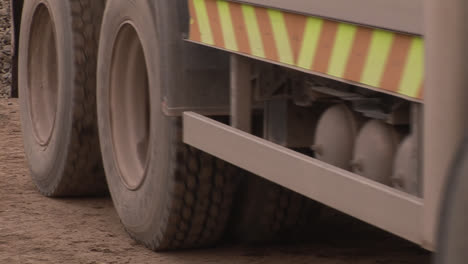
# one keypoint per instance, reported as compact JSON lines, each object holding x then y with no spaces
{"x":268,"y":212}
{"x":168,"y":195}
{"x":452,"y":241}
{"x":57,"y":75}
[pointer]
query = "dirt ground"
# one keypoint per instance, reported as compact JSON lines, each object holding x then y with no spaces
{"x":35,"y":229}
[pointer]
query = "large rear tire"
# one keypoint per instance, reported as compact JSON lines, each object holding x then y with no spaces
{"x":57,"y":75}
{"x":167,"y":194}
{"x":452,"y":242}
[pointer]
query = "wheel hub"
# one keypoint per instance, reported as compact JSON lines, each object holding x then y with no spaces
{"x":42,"y":75}
{"x":130,"y":107}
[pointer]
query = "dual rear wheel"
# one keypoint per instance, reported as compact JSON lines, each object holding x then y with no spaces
{"x":167,"y":194}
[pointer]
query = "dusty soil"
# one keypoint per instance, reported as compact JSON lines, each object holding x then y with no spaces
{"x":35,"y":229}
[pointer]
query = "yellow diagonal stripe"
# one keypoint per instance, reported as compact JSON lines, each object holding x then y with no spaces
{"x":378,"y":53}
{"x":413,"y":73}
{"x":342,"y":49}
{"x":312,"y":33}
{"x":376,"y":56}
{"x":203,"y":22}
{"x":253,"y":31}
{"x":280,"y":33}
{"x":229,"y":36}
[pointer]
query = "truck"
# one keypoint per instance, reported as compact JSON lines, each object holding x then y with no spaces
{"x":201,"y":114}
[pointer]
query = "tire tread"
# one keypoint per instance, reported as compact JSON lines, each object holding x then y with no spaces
{"x":84,"y":173}
{"x":201,"y":199}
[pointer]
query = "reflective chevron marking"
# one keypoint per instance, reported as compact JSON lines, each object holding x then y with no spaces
{"x":378,"y":58}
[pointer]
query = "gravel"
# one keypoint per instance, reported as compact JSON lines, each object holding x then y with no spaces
{"x":5,"y":48}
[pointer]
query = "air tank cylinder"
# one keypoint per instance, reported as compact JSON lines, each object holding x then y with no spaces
{"x":375,"y":150}
{"x":335,"y":136}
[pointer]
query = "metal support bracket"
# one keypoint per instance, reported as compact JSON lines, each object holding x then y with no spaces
{"x":241,"y":93}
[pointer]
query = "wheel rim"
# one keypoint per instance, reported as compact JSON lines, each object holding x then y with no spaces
{"x":42,"y":75}
{"x":129,"y":107}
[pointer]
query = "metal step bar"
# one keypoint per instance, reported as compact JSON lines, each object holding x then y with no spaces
{"x":372,"y":202}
